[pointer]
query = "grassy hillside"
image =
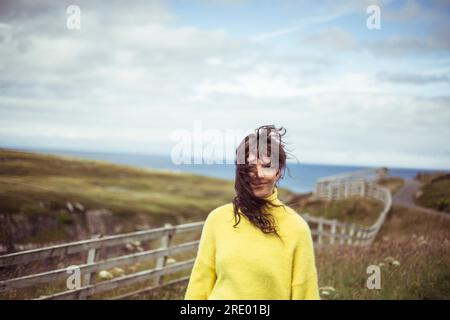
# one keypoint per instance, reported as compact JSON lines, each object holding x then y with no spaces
{"x":28,"y":178}
{"x":436,"y":193}
{"x":361,"y":211}
{"x":36,"y":190}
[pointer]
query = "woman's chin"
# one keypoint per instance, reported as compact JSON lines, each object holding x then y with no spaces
{"x":261,"y":193}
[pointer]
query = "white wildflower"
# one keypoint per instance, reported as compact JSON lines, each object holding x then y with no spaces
{"x":389,"y":260}
{"x":136,"y":243}
{"x":119,"y":271}
{"x":105,"y":275}
{"x":328,"y":288}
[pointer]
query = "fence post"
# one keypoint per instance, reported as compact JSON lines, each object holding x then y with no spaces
{"x":363,"y":188}
{"x":347,"y":187}
{"x":92,"y":256}
{"x":319,"y":232}
{"x":351,"y":233}
{"x":364,"y":237}
{"x":333,"y":231}
{"x":165,"y":243}
{"x":342,"y":239}
{"x":317,"y":189}
{"x":358,"y":236}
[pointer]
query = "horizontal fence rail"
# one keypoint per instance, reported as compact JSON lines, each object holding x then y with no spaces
{"x":347,"y":185}
{"x":119,"y":282}
{"x":84,"y":245}
{"x":121,"y":261}
{"x":92,"y":267}
{"x":324,"y":231}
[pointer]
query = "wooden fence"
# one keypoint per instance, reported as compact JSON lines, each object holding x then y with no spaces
{"x":348,"y":185}
{"x":91,"y":267}
{"x":325,"y":232}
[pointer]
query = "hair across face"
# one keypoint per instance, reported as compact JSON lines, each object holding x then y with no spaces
{"x":260,"y":163}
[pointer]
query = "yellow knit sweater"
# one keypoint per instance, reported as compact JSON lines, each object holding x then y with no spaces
{"x":243,"y":263}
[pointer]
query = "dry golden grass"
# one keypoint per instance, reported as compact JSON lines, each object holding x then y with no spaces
{"x":421,"y":245}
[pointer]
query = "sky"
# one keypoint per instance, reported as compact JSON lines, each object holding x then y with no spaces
{"x":137,"y":72}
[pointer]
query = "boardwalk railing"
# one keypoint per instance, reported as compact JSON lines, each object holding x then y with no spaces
{"x":350,"y":184}
{"x":325,"y":232}
{"x":347,"y":185}
{"x":89,"y":269}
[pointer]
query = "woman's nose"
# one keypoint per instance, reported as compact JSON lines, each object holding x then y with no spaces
{"x":259,"y":171}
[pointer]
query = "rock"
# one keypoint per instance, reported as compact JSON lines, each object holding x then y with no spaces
{"x":79,"y":206}
{"x":3,"y":249}
{"x":99,"y":221}
{"x":70,"y":207}
{"x":16,"y":227}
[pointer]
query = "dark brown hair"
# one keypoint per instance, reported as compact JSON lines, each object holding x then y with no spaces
{"x":255,"y":208}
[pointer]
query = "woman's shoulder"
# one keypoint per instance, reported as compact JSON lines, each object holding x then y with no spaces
{"x":296,"y":219}
{"x":220,"y":212}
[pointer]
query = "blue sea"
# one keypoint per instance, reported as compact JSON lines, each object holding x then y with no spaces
{"x":300,"y":178}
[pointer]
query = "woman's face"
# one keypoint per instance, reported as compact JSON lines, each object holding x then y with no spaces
{"x":263,"y":176}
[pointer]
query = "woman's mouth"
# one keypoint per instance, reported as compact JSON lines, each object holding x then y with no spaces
{"x":258,"y":185}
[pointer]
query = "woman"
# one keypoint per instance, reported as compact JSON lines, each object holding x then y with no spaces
{"x":255,"y":247}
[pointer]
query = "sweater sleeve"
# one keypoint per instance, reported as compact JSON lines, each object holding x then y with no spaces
{"x":203,"y":274}
{"x":304,"y":274}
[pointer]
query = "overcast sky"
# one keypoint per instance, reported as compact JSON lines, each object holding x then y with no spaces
{"x":137,"y":71}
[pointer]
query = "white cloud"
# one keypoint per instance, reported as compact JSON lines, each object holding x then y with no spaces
{"x":302,"y":24}
{"x":334,"y":38}
{"x":136,"y":72}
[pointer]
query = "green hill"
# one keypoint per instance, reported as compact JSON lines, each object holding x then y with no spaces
{"x":51,"y":198}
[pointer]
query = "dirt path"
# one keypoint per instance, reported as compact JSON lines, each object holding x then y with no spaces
{"x":405,"y":197}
